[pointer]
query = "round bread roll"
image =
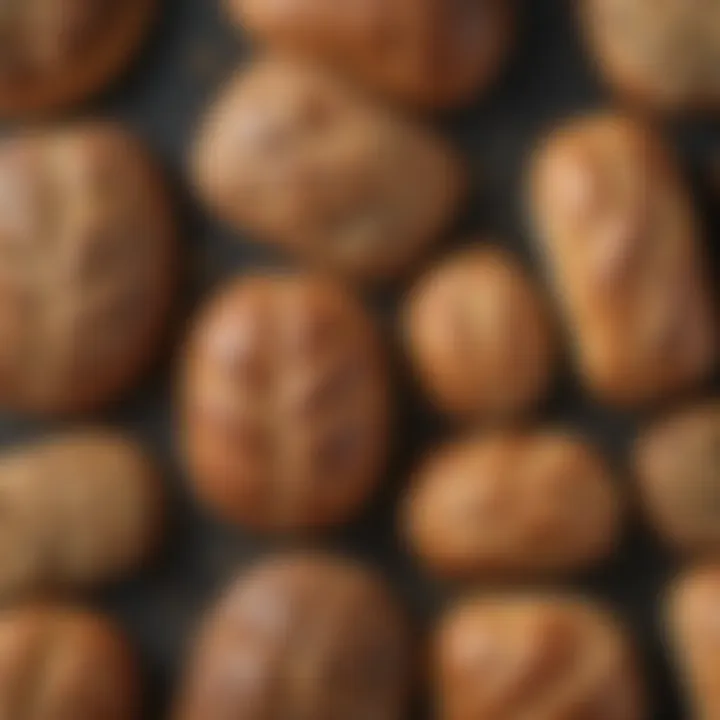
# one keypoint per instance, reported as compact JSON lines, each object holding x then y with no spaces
{"x":300,"y":637}
{"x":691,"y":617}
{"x":480,"y":335}
{"x":512,"y":503}
{"x":61,"y":664}
{"x":285,"y":403}
{"x":314,"y":167}
{"x":623,"y":247}
{"x":435,"y":53}
{"x":78,"y":511}
{"x":677,"y":462}
{"x":54,"y":53}
{"x":87,"y":264}
{"x":662,"y":55}
{"x":538,"y":656}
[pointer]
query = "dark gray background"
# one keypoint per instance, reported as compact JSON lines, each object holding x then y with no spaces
{"x":191,"y":52}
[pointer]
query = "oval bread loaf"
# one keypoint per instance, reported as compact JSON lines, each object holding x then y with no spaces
{"x":512,"y":657}
{"x":54,"y":53}
{"x":300,"y":637}
{"x":512,"y":503}
{"x":691,"y":623}
{"x":480,"y":336}
{"x":623,"y":246}
{"x":309,"y":164}
{"x":88,"y":258}
{"x":677,"y":463}
{"x":63,"y":664}
{"x":664,"y":56}
{"x":76,"y":511}
{"x":432,"y":53}
{"x":285,"y":403}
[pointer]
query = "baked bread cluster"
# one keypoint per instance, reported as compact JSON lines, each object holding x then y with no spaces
{"x":293,"y":405}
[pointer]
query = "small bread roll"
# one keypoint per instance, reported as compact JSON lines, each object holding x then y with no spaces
{"x":692,"y":611}
{"x":538,"y":656}
{"x":77,"y":511}
{"x":88,"y":260}
{"x":677,"y":462}
{"x":61,"y":664}
{"x":300,"y":637}
{"x":285,"y":403}
{"x":54,"y":53}
{"x":480,"y":336}
{"x":512,"y":503}
{"x":621,"y":240}
{"x":432,"y":53}
{"x":307,"y":163}
{"x":662,"y":55}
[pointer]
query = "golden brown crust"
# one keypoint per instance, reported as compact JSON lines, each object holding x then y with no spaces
{"x":58,"y":53}
{"x":677,"y":462}
{"x":480,"y":336}
{"x":691,"y":610}
{"x":59,"y":664}
{"x":435,"y":53}
{"x":310,"y":165}
{"x":512,"y":503}
{"x":300,"y":637}
{"x":77,"y":511}
{"x":623,"y":247}
{"x":664,"y":57}
{"x":285,"y":403}
{"x":87,"y":264}
{"x":540,"y":657}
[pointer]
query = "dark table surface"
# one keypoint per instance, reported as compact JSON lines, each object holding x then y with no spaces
{"x":191,"y":53}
